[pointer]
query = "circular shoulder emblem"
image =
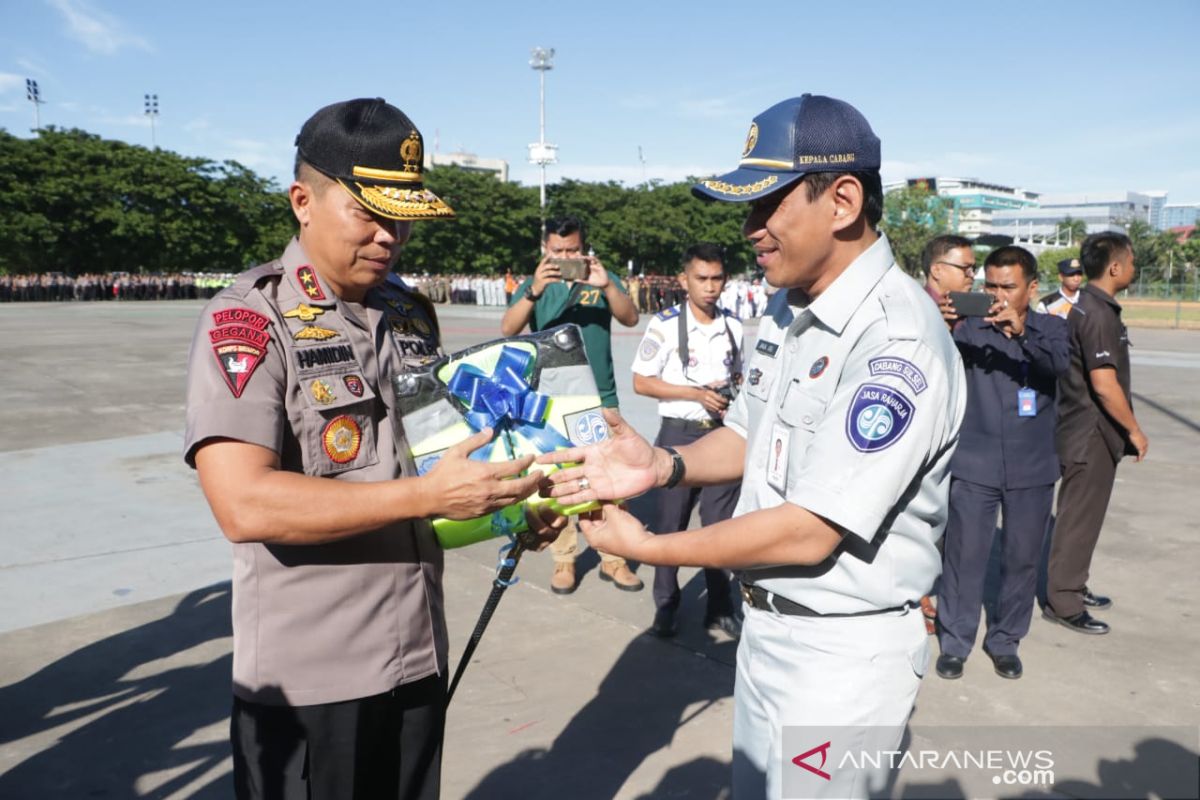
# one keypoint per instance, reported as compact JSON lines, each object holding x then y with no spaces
{"x":341,"y":439}
{"x":878,"y":417}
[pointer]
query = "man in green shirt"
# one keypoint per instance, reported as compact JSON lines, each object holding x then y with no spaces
{"x":546,"y":300}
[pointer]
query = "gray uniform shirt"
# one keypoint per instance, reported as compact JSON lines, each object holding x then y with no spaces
{"x":851,"y":408}
{"x":279,"y":361}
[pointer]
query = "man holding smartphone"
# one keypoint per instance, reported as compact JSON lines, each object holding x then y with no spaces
{"x":1005,"y":460}
{"x":590,"y":299}
{"x":949,"y":265}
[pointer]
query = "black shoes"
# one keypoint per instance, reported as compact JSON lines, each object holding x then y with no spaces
{"x":1083,"y":622}
{"x":731,"y":624}
{"x":950,"y":667}
{"x":664,"y":623}
{"x":1096,"y":601}
{"x":1007,"y":666}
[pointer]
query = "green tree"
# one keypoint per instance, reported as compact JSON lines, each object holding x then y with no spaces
{"x":495,"y":227}
{"x":911,"y":217}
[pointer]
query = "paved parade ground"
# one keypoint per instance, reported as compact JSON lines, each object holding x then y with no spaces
{"x":115,"y":634}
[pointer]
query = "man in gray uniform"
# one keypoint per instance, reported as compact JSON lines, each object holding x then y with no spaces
{"x":339,"y":665}
{"x":856,"y":384}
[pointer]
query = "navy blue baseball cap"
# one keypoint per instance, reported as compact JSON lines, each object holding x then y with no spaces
{"x":810,"y":133}
{"x":1069,"y":266}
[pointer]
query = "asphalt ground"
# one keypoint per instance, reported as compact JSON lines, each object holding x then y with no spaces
{"x":114,"y":678}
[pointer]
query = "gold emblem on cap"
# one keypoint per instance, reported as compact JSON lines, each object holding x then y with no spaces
{"x":751,"y":139}
{"x":740,"y":191}
{"x":315,"y":333}
{"x":410,"y":151}
{"x":322,"y":392}
{"x":304,"y":312}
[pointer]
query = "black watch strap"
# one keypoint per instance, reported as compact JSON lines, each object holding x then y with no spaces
{"x":530,"y":296}
{"x":678,"y":468}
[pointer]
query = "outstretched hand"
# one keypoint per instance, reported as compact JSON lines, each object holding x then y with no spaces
{"x":624,"y":465}
{"x":460,"y":488}
{"x":615,"y":531}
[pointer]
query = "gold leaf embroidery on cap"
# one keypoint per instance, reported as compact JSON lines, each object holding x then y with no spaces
{"x":740,"y":191}
{"x":391,"y":200}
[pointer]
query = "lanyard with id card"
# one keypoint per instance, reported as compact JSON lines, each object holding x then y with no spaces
{"x":1026,"y":397}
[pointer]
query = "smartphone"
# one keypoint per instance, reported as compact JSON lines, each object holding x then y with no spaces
{"x":972,"y":304}
{"x":572,"y":269}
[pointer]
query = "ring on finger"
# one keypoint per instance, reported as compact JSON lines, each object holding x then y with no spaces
{"x":584,"y":484}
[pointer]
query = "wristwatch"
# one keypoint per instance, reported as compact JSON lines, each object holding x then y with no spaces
{"x":530,"y":296}
{"x":678,"y":468}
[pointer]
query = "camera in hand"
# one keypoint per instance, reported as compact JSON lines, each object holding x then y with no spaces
{"x":572,"y":269}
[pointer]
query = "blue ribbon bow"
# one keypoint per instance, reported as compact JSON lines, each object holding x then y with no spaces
{"x":504,"y":401}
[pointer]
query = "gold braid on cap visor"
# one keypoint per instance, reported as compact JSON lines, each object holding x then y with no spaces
{"x":740,"y":191}
{"x":397,"y":203}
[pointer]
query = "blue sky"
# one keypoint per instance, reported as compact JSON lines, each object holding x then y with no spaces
{"x":1048,"y":96}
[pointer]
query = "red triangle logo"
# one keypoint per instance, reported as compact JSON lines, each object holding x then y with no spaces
{"x":823,"y":749}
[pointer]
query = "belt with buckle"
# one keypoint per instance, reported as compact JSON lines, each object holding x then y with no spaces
{"x":760,"y":598}
{"x":691,"y":424}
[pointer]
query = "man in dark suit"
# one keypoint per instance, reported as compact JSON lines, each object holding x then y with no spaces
{"x":1005,"y":461}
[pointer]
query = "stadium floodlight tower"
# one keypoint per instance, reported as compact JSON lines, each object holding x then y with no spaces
{"x":152,"y":112}
{"x":540,"y":152}
{"x":34,"y":95}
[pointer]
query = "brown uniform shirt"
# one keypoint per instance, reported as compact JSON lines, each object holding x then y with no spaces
{"x":1098,"y":339}
{"x":279,"y":361}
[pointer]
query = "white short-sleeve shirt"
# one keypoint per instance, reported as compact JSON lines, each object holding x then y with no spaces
{"x":715,"y":354}
{"x":851,"y":408}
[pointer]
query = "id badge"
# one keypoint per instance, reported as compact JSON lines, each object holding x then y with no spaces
{"x":1026,"y":403}
{"x":777,"y":457}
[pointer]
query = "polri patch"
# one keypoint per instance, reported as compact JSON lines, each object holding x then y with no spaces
{"x":308,"y":282}
{"x":239,"y":341}
{"x":904,"y":370}
{"x":878,"y":416}
{"x":354,"y":385}
{"x":768,"y":349}
{"x":341,"y":439}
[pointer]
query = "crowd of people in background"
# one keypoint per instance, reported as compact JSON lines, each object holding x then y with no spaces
{"x":746,"y":298}
{"x":57,"y":287}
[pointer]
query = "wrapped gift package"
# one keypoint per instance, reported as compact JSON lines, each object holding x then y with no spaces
{"x":537,"y":394}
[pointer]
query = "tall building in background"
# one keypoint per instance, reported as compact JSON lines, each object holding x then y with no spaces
{"x":1178,"y":215}
{"x":971,"y":203}
{"x":470,"y":162}
{"x":1101,"y":211}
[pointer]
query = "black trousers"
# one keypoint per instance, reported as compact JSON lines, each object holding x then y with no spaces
{"x":385,"y":746}
{"x":1083,"y":499}
{"x":674,"y":510}
{"x":968,"y":545}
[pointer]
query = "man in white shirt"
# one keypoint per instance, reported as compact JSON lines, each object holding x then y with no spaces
{"x":690,"y":359}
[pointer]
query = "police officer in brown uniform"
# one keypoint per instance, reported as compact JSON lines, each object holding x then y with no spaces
{"x":1096,"y":427}
{"x":339,"y":667}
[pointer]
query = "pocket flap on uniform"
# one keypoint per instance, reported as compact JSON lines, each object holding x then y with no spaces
{"x":800,"y":409}
{"x":335,"y":392}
